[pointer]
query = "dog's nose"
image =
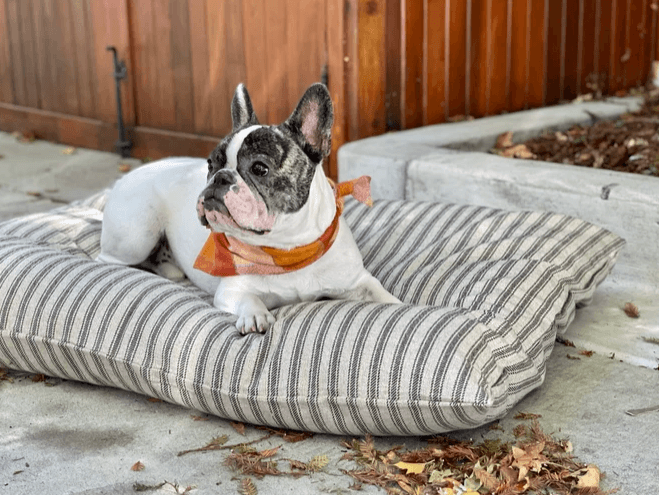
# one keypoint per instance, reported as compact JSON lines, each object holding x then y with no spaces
{"x":224,"y":178}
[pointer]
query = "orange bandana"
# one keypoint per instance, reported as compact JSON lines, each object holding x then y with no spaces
{"x":226,"y":256}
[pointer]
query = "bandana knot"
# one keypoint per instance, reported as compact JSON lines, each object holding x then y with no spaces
{"x":226,"y":256}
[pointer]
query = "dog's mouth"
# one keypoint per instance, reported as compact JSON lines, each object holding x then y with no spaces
{"x":214,"y":214}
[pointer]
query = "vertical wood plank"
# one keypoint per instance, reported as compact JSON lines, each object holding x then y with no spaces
{"x":200,"y":65}
{"x":305,"y":46}
{"x":648,"y":39}
{"x":480,"y":52}
{"x":519,"y":54}
{"x":182,"y":66}
{"x":571,"y":76}
{"x":635,"y":42}
{"x":605,"y":40}
{"x":553,"y":47}
{"x":47,"y":48}
{"x":412,"y":64}
{"x":538,"y":52}
{"x":164,"y":115}
{"x":217,"y":49}
{"x":617,"y":44}
{"x":16,"y":52}
{"x":393,"y":60}
{"x":235,"y":53}
{"x":336,"y":29}
{"x":351,"y":68}
{"x":277,"y":51}
{"x":6,"y":77}
{"x":67,"y":59}
{"x":81,"y":34}
{"x":497,"y":77}
{"x":30,"y":70}
{"x":110,"y":27}
{"x":436,"y":27}
{"x":457,"y":59}
{"x":255,"y":56}
{"x":141,"y":26}
{"x":371,"y":68}
{"x":590,"y":19}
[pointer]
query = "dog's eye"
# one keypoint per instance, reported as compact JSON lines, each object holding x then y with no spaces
{"x":259,"y":169}
{"x":210,"y":164}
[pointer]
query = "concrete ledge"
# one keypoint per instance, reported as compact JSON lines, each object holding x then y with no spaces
{"x":448,"y":163}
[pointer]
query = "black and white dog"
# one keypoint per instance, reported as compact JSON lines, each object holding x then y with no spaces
{"x":276,"y":233}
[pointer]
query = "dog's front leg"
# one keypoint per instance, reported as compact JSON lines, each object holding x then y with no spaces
{"x":235,"y":297}
{"x":369,"y":288}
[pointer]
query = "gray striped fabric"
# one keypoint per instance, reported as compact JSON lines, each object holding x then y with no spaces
{"x":485,"y":290}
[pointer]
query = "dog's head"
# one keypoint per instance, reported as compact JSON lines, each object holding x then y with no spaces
{"x":259,"y":172}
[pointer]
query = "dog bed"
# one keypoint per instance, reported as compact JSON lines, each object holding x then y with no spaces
{"x":485,"y":291}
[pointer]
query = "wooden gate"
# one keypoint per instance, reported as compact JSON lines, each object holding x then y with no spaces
{"x":184,"y":60}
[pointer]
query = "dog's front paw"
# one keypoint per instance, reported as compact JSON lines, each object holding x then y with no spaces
{"x":255,"y":321}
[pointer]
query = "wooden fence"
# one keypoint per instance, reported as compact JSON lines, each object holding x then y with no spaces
{"x":390,"y":64}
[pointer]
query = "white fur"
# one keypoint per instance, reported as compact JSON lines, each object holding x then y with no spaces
{"x":161,"y":198}
{"x":235,"y":144}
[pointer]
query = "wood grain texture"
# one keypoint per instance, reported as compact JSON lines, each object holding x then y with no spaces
{"x":6,"y":76}
{"x":81,"y":28}
{"x":110,"y":21}
{"x":498,"y":75}
{"x":413,"y":52}
{"x":437,"y":24}
{"x":256,"y":71}
{"x":371,"y":24}
{"x":336,"y":79}
{"x":554,"y":47}
{"x":457,"y":57}
{"x":573,"y":31}
{"x":520,"y":54}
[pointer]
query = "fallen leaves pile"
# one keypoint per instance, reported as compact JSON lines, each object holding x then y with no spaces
{"x":533,"y":463}
{"x":628,"y":144}
{"x":448,"y":467}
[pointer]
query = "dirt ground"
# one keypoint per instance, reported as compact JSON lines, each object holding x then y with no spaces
{"x":628,"y":144}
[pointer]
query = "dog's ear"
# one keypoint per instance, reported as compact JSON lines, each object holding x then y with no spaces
{"x":242,"y":112}
{"x":312,"y":121}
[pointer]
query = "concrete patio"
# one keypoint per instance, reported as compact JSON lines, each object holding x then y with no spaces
{"x":67,"y":437}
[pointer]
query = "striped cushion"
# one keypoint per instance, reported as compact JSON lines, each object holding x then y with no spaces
{"x":486,"y":292}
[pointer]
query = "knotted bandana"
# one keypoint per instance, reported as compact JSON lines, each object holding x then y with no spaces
{"x":225,"y":256}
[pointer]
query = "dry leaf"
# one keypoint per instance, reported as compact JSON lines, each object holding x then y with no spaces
{"x":36,"y":194}
{"x":239,"y":427}
{"x":153,"y":399}
{"x":524,"y":415}
{"x":574,"y":358}
{"x":518,"y":151}
{"x":69,"y":150}
{"x":221,"y":440}
{"x":199,"y":418}
{"x":247,"y":487}
{"x":269,"y":452}
{"x":631,"y":310}
{"x":38,"y":378}
{"x":318,"y":462}
{"x":138,"y":466}
{"x":505,"y":140}
{"x":411,"y":467}
{"x":587,"y":353}
{"x":591,"y":479}
{"x":124,"y":167}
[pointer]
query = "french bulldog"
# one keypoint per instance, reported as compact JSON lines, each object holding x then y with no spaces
{"x":257,"y":224}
